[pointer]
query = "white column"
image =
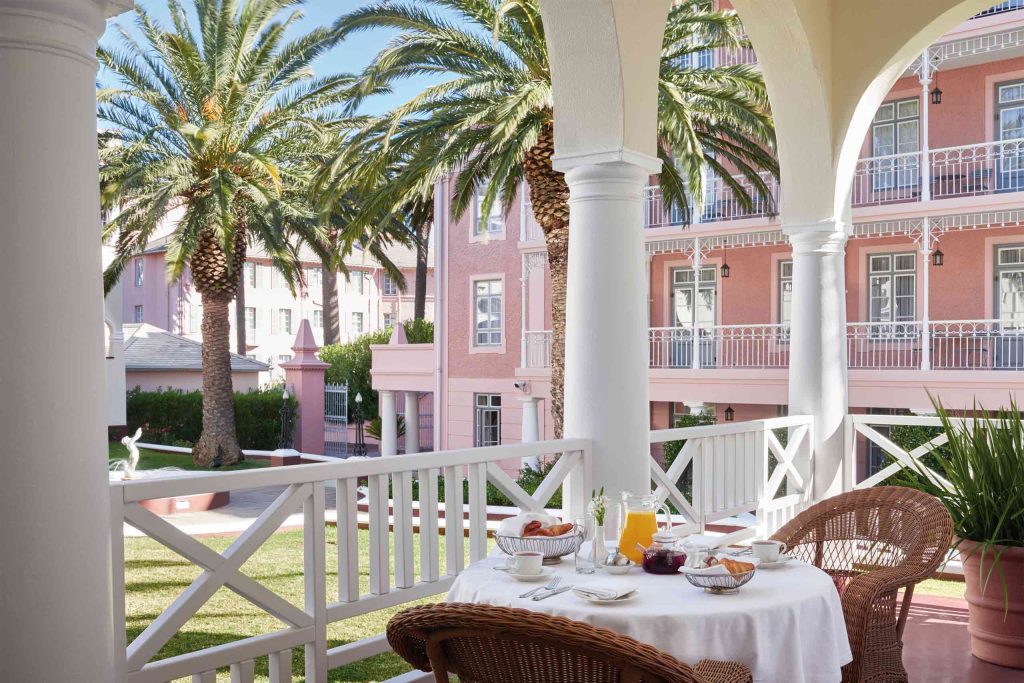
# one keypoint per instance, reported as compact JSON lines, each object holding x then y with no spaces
{"x":412,"y":422}
{"x":388,"y":422}
{"x":606,"y":341}
{"x":524,"y":279}
{"x":925,"y":78}
{"x":695,"y":262}
{"x":926,"y":267}
{"x":530,"y":426}
{"x":55,"y":499}
{"x":817,"y":368}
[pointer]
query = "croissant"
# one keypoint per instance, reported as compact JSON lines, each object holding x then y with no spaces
{"x":531,"y":528}
{"x":559,"y":529}
{"x":735,"y":566}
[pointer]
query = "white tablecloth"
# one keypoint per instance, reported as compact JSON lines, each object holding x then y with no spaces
{"x":786,"y":624}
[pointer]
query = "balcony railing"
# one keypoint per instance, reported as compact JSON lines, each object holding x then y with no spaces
{"x":720,"y":346}
{"x":964,"y":171}
{"x":721,"y":203}
{"x":538,"y":349}
{"x":890,"y":346}
{"x":1002,"y":7}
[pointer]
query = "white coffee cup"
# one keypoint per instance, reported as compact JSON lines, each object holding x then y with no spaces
{"x":768,"y":551}
{"x":527,"y":562}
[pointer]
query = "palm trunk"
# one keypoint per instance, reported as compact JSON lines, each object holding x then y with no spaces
{"x":240,"y":345}
{"x":422,"y":251}
{"x":219,"y":441}
{"x":329,"y":295}
{"x":549,"y":195}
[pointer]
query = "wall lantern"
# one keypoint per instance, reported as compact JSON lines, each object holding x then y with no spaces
{"x":730,"y":414}
{"x":725,"y":269}
{"x":936,"y":95}
{"x":938,"y":258}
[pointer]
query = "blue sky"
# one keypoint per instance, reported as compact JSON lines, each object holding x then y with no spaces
{"x":351,"y":56}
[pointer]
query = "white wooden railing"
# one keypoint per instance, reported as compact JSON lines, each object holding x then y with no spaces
{"x":538,"y":349}
{"x":305,"y":490}
{"x":733,"y":473}
{"x":864,"y":430}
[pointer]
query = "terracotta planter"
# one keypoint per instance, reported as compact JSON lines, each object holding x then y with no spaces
{"x":997,"y":633}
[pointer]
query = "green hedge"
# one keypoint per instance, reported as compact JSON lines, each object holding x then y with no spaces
{"x":175,"y":418}
{"x":350,"y":362}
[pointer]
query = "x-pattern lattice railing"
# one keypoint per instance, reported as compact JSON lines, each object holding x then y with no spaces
{"x":868,"y":427}
{"x":732,"y":473}
{"x":305,"y":490}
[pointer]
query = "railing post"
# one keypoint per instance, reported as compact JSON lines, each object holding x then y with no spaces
{"x":926,"y":264}
{"x":314,"y":571}
{"x":925,"y":77}
{"x":523,"y":282}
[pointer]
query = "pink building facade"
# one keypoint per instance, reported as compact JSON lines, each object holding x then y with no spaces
{"x":934,"y":273}
{"x":368,"y":300}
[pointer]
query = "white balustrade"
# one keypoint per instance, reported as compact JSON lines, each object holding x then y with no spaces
{"x":874,"y":430}
{"x":887,"y":179}
{"x":721,"y":202}
{"x":721,"y":346}
{"x":305,"y":491}
{"x":984,"y":168}
{"x":1000,"y":8}
{"x":884,"y":346}
{"x":737,"y":468}
{"x":977,"y":345}
{"x":538,"y":349}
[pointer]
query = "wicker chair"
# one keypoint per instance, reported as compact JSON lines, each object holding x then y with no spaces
{"x":487,"y":644}
{"x":873,"y":542}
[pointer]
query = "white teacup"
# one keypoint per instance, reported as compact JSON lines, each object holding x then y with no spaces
{"x":768,"y":551}
{"x":527,"y":562}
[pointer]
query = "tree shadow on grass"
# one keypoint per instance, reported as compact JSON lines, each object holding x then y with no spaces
{"x":154,"y":564}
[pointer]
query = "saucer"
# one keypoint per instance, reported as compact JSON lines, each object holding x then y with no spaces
{"x":781,"y":562}
{"x":598,"y":601}
{"x":545,"y":573}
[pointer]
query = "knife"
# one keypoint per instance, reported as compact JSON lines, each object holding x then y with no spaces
{"x":542,"y":596}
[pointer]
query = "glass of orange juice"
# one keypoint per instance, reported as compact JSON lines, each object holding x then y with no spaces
{"x":639,"y":523}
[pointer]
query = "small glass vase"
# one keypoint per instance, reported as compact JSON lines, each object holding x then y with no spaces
{"x":600,"y":547}
{"x":584,"y":559}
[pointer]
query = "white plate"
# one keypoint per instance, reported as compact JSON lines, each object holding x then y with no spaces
{"x":781,"y":562}
{"x":597,"y":601}
{"x":545,"y":573}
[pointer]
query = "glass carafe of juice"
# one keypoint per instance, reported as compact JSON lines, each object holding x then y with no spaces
{"x":640,"y":523}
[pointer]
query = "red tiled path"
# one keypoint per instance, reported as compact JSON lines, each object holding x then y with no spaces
{"x":937,"y":647}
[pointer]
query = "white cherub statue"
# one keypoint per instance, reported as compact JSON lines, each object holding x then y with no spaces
{"x":133,"y":453}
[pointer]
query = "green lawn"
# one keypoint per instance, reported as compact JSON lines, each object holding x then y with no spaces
{"x":152,"y":460}
{"x":154,"y":576}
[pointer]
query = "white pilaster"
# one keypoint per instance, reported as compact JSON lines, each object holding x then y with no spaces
{"x":817,"y":368}
{"x":55,"y":577}
{"x":388,"y":422}
{"x":606,"y":354}
{"x":696,"y":263}
{"x":412,"y":422}
{"x":530,"y":426}
{"x":524,"y":280}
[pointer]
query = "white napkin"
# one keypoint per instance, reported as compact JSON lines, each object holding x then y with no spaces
{"x":717,"y":570}
{"x":603,"y":590}
{"x":513,"y":526}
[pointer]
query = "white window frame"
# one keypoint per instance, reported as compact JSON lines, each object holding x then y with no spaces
{"x":495,"y":221}
{"x":284,"y":315}
{"x":486,"y":420}
{"x":140,"y":272}
{"x":356,"y":282}
{"x":1012,"y":320}
{"x":389,"y":320}
{"x":249,"y":269}
{"x":388,"y":287}
{"x":898,"y":172}
{"x":352,"y":328}
{"x":315,"y":276}
{"x":250,"y":321}
{"x":318,"y":319}
{"x":893,"y":310}
{"x":139,"y":314}
{"x":494,"y":341}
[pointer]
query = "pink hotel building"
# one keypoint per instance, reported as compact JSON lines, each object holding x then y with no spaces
{"x":934,"y":273}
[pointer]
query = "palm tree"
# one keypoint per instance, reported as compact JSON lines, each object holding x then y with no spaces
{"x":214,"y":118}
{"x":489,"y":122}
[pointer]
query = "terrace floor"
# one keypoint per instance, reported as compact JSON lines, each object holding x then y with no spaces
{"x":937,"y":646}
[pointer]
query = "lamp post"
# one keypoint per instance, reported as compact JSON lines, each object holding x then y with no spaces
{"x":360,"y":447}
{"x":285,"y":442}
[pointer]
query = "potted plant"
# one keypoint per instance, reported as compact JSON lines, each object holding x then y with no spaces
{"x":983,"y":465}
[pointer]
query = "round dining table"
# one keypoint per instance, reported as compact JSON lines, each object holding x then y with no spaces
{"x":786,"y":624}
